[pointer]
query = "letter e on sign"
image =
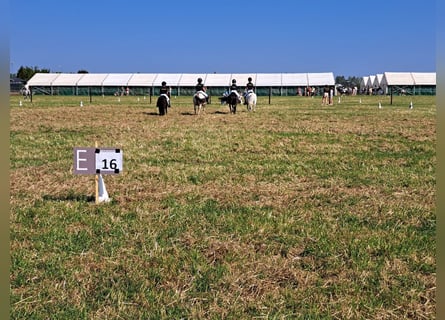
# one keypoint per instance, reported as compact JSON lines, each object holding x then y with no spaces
{"x":84,"y":159}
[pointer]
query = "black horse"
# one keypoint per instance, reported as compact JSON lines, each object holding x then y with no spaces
{"x":162,"y":104}
{"x":231,"y":100}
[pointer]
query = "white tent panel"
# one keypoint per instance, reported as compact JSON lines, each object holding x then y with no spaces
{"x":191,"y":79}
{"x":67,"y":79}
{"x":321,"y":79}
{"x":142,"y":80}
{"x":364,"y":82}
{"x":42,"y":79}
{"x":370,"y":83}
{"x":92,"y":79}
{"x":268,"y":79}
{"x":424,"y":78}
{"x":378,"y":80}
{"x":117,"y":79}
{"x":172,"y":79}
{"x":294,"y":79}
{"x":218,"y":79}
{"x":398,"y":79}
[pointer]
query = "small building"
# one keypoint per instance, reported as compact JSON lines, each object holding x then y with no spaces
{"x":16,"y":85}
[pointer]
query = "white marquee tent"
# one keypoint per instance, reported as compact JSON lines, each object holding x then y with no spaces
{"x":53,"y":82}
{"x":364,"y":83}
{"x":413,"y":82}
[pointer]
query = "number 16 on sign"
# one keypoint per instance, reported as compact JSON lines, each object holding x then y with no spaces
{"x":108,"y":161}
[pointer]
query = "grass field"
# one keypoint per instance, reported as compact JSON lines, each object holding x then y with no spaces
{"x":296,"y":211}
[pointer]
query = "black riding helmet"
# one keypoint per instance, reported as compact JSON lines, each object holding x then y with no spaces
{"x":164,"y":83}
{"x":233,"y":81}
{"x":249,"y":79}
{"x":199,"y":80}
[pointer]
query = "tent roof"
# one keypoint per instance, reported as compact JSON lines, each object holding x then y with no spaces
{"x":67,"y":79}
{"x":218,"y":79}
{"x":268,"y":79}
{"x":370,"y":82}
{"x":92,"y":79}
{"x":424,"y":78}
{"x":398,"y":78}
{"x":181,"y":79}
{"x":378,"y":79}
{"x":142,"y":79}
{"x":241,"y":78}
{"x":42,"y":79}
{"x":191,"y":79}
{"x":117,"y":79}
{"x":172,"y":79}
{"x":294,"y":79}
{"x":321,"y":79}
{"x":409,"y":78}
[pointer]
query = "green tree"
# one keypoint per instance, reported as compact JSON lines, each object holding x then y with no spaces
{"x":26,"y":73}
{"x":348,"y":82}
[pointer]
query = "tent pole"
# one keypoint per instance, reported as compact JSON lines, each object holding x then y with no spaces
{"x":391,"y":95}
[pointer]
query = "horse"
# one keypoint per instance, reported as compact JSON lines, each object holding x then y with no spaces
{"x":26,"y":92}
{"x":162,"y":104}
{"x":232,"y":101}
{"x":251,"y":101}
{"x":199,"y":102}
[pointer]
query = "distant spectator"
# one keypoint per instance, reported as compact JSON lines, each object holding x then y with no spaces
{"x":325,"y":97}
{"x":331,"y":96}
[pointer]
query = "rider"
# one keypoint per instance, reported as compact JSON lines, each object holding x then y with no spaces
{"x":201,"y":88}
{"x":165,"y":91}
{"x":234,"y":88}
{"x":249,"y":89}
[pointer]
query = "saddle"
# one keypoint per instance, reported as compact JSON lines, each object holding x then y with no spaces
{"x":200,"y":95}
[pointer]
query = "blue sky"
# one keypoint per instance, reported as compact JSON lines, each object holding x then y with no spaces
{"x":348,"y":38}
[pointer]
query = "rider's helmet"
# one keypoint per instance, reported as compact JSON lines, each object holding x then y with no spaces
{"x":164,"y":83}
{"x":199,"y":80}
{"x":233,"y":81}
{"x":249,"y":79}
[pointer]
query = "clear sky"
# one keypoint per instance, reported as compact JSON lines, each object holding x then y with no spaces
{"x":349,"y":38}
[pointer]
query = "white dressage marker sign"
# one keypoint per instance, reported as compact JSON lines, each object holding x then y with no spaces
{"x":98,"y":161}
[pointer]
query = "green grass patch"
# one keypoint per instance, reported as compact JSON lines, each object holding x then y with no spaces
{"x":296,"y":210}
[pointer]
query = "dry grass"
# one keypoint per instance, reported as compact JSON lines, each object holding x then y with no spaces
{"x":294,"y":211}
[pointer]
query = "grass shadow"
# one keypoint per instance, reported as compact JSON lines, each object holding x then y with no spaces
{"x":187,"y":113}
{"x":150,"y":113}
{"x":70,"y":197}
{"x":221,"y":112}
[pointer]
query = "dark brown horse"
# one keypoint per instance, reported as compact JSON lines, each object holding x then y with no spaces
{"x":231,"y":100}
{"x":162,"y":104}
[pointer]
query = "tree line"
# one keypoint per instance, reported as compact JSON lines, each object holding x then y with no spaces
{"x":349,"y":82}
{"x":26,"y":73}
